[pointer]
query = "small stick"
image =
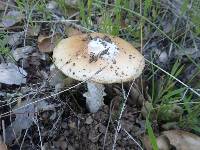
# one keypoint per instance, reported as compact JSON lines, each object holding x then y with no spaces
{"x":4,"y":132}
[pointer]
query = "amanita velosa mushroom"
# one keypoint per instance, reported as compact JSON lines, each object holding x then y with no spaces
{"x":98,"y":59}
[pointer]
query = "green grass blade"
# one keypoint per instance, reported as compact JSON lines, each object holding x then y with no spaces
{"x":151,"y":135}
{"x":156,"y":27}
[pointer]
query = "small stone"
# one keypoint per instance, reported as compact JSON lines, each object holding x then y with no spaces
{"x":89,"y":120}
{"x":163,"y":58}
{"x":52,"y":5}
{"x":72,"y":125}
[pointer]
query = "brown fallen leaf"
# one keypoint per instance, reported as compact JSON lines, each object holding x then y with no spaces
{"x":47,"y":43}
{"x":178,"y":139}
{"x":183,"y":140}
{"x":2,"y":145}
{"x":72,"y":31}
{"x":146,"y":142}
{"x":162,"y":142}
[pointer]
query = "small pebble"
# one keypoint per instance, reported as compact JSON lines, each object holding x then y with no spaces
{"x":89,"y":120}
{"x":163,"y":58}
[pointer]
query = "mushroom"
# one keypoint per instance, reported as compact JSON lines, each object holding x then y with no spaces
{"x":98,"y":59}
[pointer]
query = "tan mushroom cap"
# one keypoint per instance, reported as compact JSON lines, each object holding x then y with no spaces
{"x":72,"y":58}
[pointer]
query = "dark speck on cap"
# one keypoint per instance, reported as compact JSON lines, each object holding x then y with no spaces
{"x":114,"y":61}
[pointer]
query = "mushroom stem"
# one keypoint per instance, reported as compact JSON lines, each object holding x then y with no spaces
{"x":94,"y":96}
